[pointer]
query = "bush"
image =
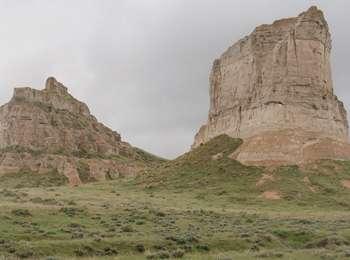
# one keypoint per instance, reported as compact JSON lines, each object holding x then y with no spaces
{"x":140,"y":248}
{"x":24,"y":252}
{"x":21,"y":213}
{"x":109,"y":251}
{"x":70,"y":212}
{"x":84,"y":172}
{"x":179,"y":253}
{"x":84,"y":251}
{"x":203,"y":247}
{"x":159,"y":255}
{"x":127,"y":229}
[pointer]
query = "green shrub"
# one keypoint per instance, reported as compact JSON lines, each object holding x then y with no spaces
{"x":140,"y":248}
{"x":21,"y":213}
{"x":84,"y":172}
{"x":127,"y":229}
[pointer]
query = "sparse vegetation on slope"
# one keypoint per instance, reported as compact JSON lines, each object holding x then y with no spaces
{"x":211,"y":175}
{"x":147,"y":157}
{"x":27,"y":178}
{"x":203,"y":205}
{"x":115,"y":218}
{"x":207,"y":166}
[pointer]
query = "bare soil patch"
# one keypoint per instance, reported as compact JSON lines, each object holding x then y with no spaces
{"x":346,"y":184}
{"x":271,"y":195}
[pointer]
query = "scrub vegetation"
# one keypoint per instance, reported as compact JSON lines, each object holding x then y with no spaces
{"x":203,"y":205}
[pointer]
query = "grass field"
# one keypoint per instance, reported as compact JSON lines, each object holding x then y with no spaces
{"x":202,"y":205}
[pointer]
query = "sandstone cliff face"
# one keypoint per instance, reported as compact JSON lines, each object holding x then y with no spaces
{"x":276,"y":79}
{"x":47,"y":129}
{"x":51,"y":120}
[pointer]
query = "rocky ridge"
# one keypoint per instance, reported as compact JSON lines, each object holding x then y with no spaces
{"x":45,"y":130}
{"x":274,"y":89}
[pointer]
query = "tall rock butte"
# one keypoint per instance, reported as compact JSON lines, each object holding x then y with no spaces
{"x":274,"y":90}
{"x":45,"y":130}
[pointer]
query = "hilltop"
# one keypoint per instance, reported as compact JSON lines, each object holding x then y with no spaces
{"x":210,"y":173}
{"x":49,"y":135}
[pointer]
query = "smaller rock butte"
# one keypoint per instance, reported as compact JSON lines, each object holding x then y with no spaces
{"x":47,"y":129}
{"x":274,"y":90}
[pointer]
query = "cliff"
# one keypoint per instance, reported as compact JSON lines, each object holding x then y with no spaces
{"x":45,"y":130}
{"x":275,"y":81}
{"x":51,"y":120}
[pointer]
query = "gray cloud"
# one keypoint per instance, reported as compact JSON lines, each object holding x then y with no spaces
{"x":143,"y":66}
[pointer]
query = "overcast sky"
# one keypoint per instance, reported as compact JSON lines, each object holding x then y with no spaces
{"x":142,"y":66}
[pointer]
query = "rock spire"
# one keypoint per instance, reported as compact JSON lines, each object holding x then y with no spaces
{"x":274,"y":89}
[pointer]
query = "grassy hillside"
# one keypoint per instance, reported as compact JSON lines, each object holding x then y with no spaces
{"x":202,"y":205}
{"x":114,"y":218}
{"x":209,"y":174}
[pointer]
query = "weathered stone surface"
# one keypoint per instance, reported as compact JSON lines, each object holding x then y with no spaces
{"x":275,"y":81}
{"x":289,"y":147}
{"x":47,"y":129}
{"x":97,"y":168}
{"x":51,"y":120}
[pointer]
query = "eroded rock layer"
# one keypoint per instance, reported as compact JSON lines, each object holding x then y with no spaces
{"x":51,"y":120}
{"x":277,"y":79}
{"x":42,"y":130}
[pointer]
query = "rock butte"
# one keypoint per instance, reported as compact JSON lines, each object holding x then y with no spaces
{"x":274,"y":90}
{"x":47,"y":129}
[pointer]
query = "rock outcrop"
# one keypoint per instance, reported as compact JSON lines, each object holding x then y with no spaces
{"x":274,"y":89}
{"x":47,"y":129}
{"x":51,"y":120}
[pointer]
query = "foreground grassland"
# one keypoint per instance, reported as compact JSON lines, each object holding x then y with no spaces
{"x":195,"y":207}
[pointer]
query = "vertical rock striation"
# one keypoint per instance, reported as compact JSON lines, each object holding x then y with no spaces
{"x":45,"y":130}
{"x":275,"y":86}
{"x":51,"y":120}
